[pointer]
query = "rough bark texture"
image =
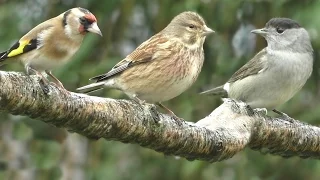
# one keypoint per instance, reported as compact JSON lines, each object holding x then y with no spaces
{"x":227,"y":130}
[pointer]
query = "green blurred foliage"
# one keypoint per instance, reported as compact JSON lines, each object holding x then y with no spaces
{"x":35,"y":150}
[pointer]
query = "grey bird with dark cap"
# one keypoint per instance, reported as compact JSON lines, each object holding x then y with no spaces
{"x":277,"y":72}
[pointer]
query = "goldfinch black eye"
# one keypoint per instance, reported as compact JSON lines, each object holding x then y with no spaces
{"x":279,"y":30}
{"x":83,"y":20}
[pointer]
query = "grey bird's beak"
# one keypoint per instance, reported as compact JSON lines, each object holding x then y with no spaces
{"x":94,"y":29}
{"x":261,"y":32}
{"x":207,"y":31}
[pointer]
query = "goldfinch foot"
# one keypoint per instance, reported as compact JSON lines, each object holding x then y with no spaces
{"x":43,"y":82}
{"x":57,"y":82}
{"x":44,"y":86}
{"x":61,"y":88}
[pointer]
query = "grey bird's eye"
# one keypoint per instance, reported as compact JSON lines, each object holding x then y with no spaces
{"x":279,"y":30}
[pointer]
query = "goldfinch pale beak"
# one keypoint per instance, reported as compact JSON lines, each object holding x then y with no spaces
{"x":207,"y":31}
{"x":94,"y":29}
{"x":261,"y":32}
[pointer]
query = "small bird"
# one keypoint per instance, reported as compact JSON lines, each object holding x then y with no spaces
{"x":277,"y":72}
{"x":162,"y":67}
{"x":52,"y":43}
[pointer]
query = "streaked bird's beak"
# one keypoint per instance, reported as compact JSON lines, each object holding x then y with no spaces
{"x":207,"y":31}
{"x":94,"y":29}
{"x":261,"y":32}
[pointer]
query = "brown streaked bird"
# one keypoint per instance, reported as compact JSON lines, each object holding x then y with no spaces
{"x":162,"y":67}
{"x":52,"y":43}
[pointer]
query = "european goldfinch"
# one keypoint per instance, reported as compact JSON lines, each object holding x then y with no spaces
{"x":52,"y":43}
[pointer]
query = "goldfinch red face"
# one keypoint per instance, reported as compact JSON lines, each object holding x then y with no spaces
{"x":80,"y":21}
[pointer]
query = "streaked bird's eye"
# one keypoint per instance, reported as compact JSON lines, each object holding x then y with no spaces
{"x":279,"y":30}
{"x":191,"y":26}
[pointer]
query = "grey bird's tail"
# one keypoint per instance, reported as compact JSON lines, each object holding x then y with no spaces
{"x":91,"y":87}
{"x":218,"y":91}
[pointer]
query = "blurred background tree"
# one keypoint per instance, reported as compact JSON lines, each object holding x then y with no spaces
{"x":30,"y":149}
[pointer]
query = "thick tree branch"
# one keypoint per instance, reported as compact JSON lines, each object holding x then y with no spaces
{"x":226,"y":131}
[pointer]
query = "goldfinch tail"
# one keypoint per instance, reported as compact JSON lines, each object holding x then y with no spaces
{"x":91,"y":87}
{"x":3,"y":56}
{"x":218,"y":91}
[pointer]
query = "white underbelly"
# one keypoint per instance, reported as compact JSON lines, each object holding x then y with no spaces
{"x":41,"y":62}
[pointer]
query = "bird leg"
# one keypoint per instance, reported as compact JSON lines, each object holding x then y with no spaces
{"x":43,"y":82}
{"x":284,"y":115}
{"x":138,"y":100}
{"x":152,"y":109}
{"x":56,"y":81}
{"x":175,"y":117}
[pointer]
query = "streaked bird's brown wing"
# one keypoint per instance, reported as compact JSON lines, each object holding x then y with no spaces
{"x":142,"y":54}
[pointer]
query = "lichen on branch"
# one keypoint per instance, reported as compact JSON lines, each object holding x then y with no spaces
{"x":227,"y":130}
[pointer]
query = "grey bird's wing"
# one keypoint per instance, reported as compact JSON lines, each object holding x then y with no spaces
{"x":252,"y":67}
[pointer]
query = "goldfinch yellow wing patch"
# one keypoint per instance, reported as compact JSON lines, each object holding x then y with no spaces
{"x":18,"y":50}
{"x":20,"y":47}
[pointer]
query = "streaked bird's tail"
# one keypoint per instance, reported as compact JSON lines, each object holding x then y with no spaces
{"x":218,"y":91}
{"x":91,"y":87}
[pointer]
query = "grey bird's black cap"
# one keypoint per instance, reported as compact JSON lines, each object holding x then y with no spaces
{"x":284,"y":23}
{"x":280,"y":24}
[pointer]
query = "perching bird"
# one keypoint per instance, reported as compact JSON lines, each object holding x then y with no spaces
{"x":277,"y":72}
{"x":52,"y":43}
{"x":162,"y":67}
